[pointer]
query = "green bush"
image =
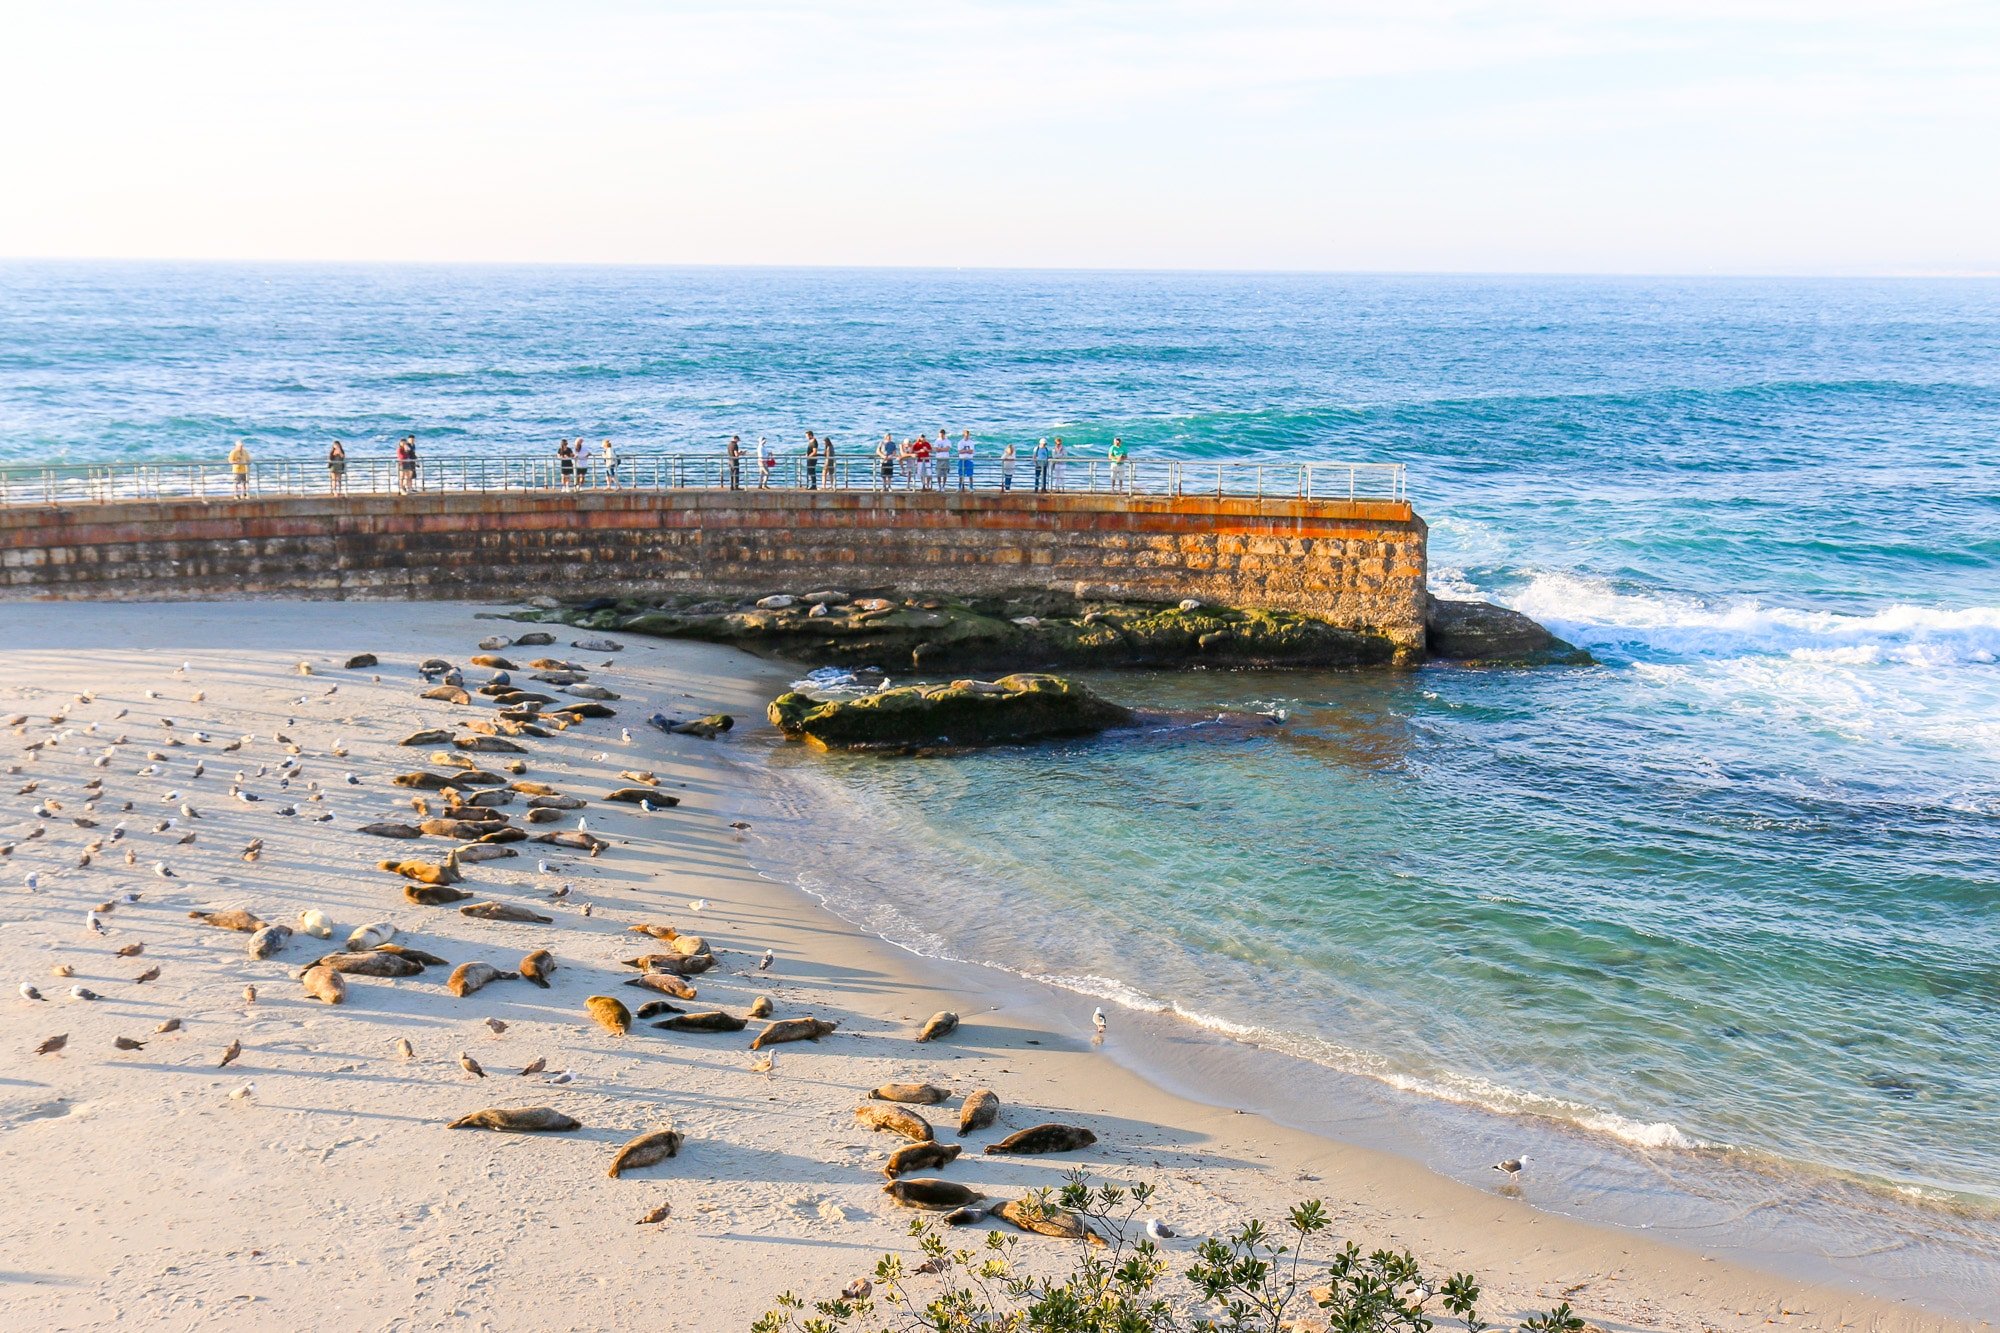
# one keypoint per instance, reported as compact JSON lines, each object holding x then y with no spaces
{"x":1257,"y":1279}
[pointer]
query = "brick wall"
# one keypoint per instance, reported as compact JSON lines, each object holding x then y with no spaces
{"x":1360,"y":565}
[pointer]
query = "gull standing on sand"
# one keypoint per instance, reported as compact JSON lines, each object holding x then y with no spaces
{"x":764,"y":963}
{"x":1159,"y":1230}
{"x":470,"y":1065}
{"x":1511,"y":1168}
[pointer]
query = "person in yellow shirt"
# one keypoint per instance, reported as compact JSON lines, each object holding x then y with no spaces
{"x":239,"y":467}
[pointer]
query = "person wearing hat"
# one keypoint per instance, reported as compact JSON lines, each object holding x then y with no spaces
{"x":239,"y":468}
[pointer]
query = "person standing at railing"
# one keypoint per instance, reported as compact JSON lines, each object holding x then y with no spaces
{"x":1041,"y":458}
{"x":885,"y":462}
{"x":766,"y":460}
{"x":965,"y":461}
{"x":920,"y":456}
{"x":812,"y":461}
{"x":611,"y":468}
{"x":406,"y":464}
{"x":1056,"y":456}
{"x":239,"y":468}
{"x":336,"y":469}
{"x":582,"y":463}
{"x":566,"y":464}
{"x":1007,"y":467}
{"x":1121,"y":466}
{"x":735,"y":452}
{"x":941,"y":458}
{"x":832,"y":477}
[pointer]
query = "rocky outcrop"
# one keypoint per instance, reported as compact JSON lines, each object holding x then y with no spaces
{"x":1027,"y":631}
{"x":1483,"y":632}
{"x":966,"y":712}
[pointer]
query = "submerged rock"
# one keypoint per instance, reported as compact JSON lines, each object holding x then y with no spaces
{"x":1483,"y":632}
{"x":965,"y":712}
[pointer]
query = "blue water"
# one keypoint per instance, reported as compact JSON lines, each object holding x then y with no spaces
{"x":1735,"y":891}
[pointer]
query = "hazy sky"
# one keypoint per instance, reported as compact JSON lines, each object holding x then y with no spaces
{"x":1827,"y":136}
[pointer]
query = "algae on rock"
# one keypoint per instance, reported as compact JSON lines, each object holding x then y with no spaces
{"x":966,"y":712}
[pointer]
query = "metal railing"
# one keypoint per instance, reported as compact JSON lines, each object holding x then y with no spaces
{"x":85,"y":483}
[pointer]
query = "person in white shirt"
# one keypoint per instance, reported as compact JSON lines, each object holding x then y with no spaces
{"x":766,"y":460}
{"x":965,"y":461}
{"x":582,"y":462}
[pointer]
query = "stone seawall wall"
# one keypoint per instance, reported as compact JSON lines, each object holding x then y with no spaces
{"x":1360,"y":565}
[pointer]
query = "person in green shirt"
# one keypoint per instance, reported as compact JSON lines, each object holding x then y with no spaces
{"x":1121,"y":466}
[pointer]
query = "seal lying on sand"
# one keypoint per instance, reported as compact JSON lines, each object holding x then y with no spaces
{"x":895,"y":1120}
{"x":431,"y":895}
{"x":232,"y":918}
{"x":521,"y":1120}
{"x":920,"y":1157}
{"x":324,"y":984}
{"x":371,"y":964}
{"x":712,"y":1020}
{"x":795,"y":1029}
{"x":503,"y":912}
{"x":939,"y":1196}
{"x":469,"y":977}
{"x":916,"y":1094}
{"x":537,"y":966}
{"x":646,"y":1150}
{"x":938,"y":1025}
{"x":1045,"y":1219}
{"x":1045,"y":1138}
{"x":979,"y":1109}
{"x":613,"y":1016}
{"x":666,"y":983}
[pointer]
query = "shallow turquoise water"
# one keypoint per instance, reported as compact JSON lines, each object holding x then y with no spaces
{"x":1738,"y":886}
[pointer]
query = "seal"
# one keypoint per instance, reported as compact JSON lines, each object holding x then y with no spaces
{"x":503,"y":912}
{"x":469,"y":977}
{"x":391,"y":829}
{"x":370,"y":935}
{"x":423,"y":872}
{"x":654,"y":1008}
{"x":647,"y":1150}
{"x":428,"y":736}
{"x":795,"y":1029}
{"x":965,"y":1217}
{"x":495,"y":661}
{"x":710,"y":1020}
{"x":666,"y":983}
{"x":518,"y":1120}
{"x":915,"y":1094}
{"x":688,"y":965}
{"x":428,"y":895}
{"x":542,"y":815}
{"x":921,"y":1156}
{"x":416,"y":955}
{"x":938,"y":1196}
{"x":979,"y":1109}
{"x":537,"y":966}
{"x":634,"y":795}
{"x":1043,"y":1139}
{"x":535,"y":639}
{"x":324,"y":984}
{"x":371,"y":964}
{"x":527,"y":788}
{"x":450,"y":694}
{"x":316,"y":923}
{"x":895,"y":1120}
{"x":1045,"y":1219}
{"x":658,"y":932}
{"x":232,"y":918}
{"x":613,"y":1016}
{"x":938,"y":1025}
{"x":762,"y":1006}
{"x":268,"y":941}
{"x":488,"y":849}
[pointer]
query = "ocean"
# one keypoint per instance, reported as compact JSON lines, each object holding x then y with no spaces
{"x":1717,"y":919}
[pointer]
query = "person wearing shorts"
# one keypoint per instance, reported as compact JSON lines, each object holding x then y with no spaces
{"x":965,"y":461}
{"x":239,"y":468}
{"x":406,"y":464}
{"x":566,"y":464}
{"x":885,"y":459}
{"x":336,"y":468}
{"x":611,"y":467}
{"x":1121,"y":466}
{"x":582,"y":462}
{"x":1007,"y":467}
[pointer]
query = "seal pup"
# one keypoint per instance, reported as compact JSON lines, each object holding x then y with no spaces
{"x":895,"y":1120}
{"x":938,"y":1025}
{"x":979,"y":1109}
{"x":268,"y":941}
{"x":915,"y":1094}
{"x":414,"y":955}
{"x":518,"y":1120}
{"x":1046,"y":1138}
{"x":647,"y":1150}
{"x":654,"y":1008}
{"x":1045,"y":1219}
{"x":170,"y":1025}
{"x":794,"y":1029}
{"x":316,"y":923}
{"x":325,"y":984}
{"x":921,"y":1156}
{"x":965,"y":1217}
{"x":613,"y":1016}
{"x":938,"y":1196}
{"x":537,"y":966}
{"x":762,"y":1006}
{"x":469,"y":977}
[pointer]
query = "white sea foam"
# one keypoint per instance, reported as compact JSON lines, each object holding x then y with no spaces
{"x":1595,"y":613}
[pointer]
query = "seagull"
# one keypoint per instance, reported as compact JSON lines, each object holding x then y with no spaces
{"x":764,"y":1063}
{"x":561,"y":892}
{"x":127,"y":1044}
{"x":33,"y":883}
{"x":404,"y":1049}
{"x":1511,"y":1168}
{"x":83,"y":993}
{"x":542,"y":866}
{"x":163,"y":870}
{"x":697,"y":904}
{"x":28,"y":992}
{"x":1097,"y":1020}
{"x":249,"y":995}
{"x":497,"y":1025}
{"x":625,"y":735}
{"x":764,"y":963}
{"x":470,"y":1065}
{"x":351,"y":780}
{"x":564,"y":1077}
{"x":1158,"y":1230}
{"x":582,"y":824}
{"x":95,"y":923}
{"x":244,"y":1093}
{"x":53,"y":1044}
{"x":646,"y":805}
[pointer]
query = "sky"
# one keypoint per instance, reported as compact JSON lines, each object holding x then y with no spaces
{"x":1588,"y":136}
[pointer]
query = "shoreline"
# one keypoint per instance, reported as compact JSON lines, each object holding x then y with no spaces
{"x":328,"y":1191}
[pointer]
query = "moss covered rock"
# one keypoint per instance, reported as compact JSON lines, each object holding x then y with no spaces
{"x":1014,"y":708}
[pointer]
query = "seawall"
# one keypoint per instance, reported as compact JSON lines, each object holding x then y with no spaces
{"x":1357,"y":564}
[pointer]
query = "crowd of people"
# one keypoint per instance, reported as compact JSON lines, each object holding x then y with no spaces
{"x":916,"y":463}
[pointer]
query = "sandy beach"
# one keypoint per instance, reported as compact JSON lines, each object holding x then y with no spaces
{"x":333,"y":1195}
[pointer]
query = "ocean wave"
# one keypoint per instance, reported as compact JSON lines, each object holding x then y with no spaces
{"x":1597,"y":614}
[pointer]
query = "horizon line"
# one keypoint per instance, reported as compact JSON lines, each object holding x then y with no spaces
{"x":1912,"y":274}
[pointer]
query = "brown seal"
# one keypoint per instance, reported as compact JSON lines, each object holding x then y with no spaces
{"x":895,"y":1120}
{"x":712,"y":1020}
{"x":939,"y":1196}
{"x":391,"y":829}
{"x":794,"y":1029}
{"x":537,"y":966}
{"x":432,"y":895}
{"x":916,"y":1094}
{"x":1045,"y":1219}
{"x":325,"y":984}
{"x":979,"y":1109}
{"x":370,"y":964}
{"x":232,"y":918}
{"x":469,"y":977}
{"x":762,"y":1006}
{"x":937,"y":1025}
{"x":503,"y":912}
{"x":423,"y":872}
{"x":920,"y":1157}
{"x":1045,"y":1138}
{"x":646,"y":1150}
{"x":614,"y":1017}
{"x":518,"y":1120}
{"x":666,"y":983}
